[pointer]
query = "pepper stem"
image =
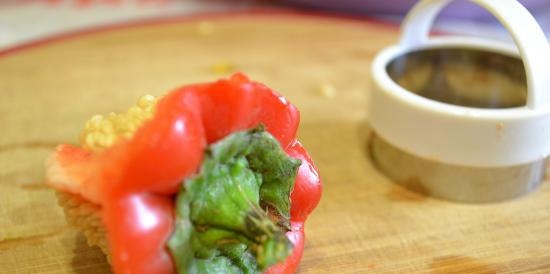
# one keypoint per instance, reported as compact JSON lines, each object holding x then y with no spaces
{"x":221,"y":221}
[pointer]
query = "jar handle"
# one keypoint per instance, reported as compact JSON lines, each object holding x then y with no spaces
{"x":524,"y":29}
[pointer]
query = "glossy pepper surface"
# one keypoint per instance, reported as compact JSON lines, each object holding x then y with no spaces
{"x":136,"y":178}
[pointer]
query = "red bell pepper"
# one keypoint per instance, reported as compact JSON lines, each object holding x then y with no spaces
{"x":136,"y":178}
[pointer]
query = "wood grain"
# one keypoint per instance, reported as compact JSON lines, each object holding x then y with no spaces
{"x":364,"y":223}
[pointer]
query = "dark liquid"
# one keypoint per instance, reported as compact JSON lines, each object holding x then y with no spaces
{"x":462,"y":77}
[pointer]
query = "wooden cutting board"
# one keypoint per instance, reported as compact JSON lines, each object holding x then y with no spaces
{"x":364,"y":223}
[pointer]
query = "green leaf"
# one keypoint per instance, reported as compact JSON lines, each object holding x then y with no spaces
{"x":221,"y":227}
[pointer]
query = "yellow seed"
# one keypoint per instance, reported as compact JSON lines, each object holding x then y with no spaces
{"x":89,"y":139}
{"x":327,"y":90}
{"x":103,"y":131}
{"x":110,"y":140}
{"x":134,"y":111}
{"x":96,"y":120}
{"x":146,"y":101}
{"x":132,"y":127}
{"x":107,"y":127}
{"x":101,"y":139}
{"x":222,"y":68}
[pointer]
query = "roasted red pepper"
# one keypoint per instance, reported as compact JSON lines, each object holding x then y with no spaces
{"x":135,"y":179}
